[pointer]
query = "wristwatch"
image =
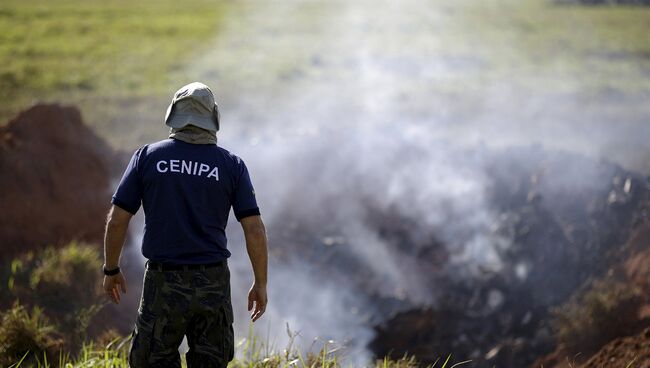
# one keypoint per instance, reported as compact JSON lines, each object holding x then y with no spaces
{"x":112,"y":272}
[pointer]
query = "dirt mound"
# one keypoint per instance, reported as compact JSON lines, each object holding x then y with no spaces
{"x":55,"y":179}
{"x":623,"y":351}
{"x":635,"y":269}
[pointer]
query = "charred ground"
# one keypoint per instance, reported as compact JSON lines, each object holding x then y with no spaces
{"x":562,"y":221}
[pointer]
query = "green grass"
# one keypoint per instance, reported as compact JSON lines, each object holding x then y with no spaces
{"x":120,"y":61}
{"x":97,"y":53}
{"x":252,"y":355}
{"x":562,"y":48}
{"x":532,"y":44}
{"x":115,"y":47}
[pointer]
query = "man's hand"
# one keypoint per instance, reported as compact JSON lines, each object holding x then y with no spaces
{"x":257,"y":298}
{"x":113,"y":285}
{"x":117,"y":223}
{"x":255,"y":235}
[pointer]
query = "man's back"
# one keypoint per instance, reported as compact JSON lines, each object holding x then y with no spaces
{"x":186,"y":192}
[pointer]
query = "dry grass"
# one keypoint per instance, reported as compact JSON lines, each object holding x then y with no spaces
{"x":606,"y":309}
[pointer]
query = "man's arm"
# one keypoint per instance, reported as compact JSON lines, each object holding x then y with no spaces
{"x":117,"y":224}
{"x":255,"y":235}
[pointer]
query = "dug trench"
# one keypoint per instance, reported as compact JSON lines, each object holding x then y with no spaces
{"x":57,"y":177}
{"x":563,"y":225}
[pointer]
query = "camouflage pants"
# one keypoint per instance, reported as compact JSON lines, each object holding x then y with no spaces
{"x":192,"y":303}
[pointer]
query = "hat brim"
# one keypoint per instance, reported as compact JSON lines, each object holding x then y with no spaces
{"x":178,"y":120}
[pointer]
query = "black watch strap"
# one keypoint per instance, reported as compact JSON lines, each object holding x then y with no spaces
{"x":112,"y":272}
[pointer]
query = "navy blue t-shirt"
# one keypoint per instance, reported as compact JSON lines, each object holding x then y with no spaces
{"x":186,"y":191}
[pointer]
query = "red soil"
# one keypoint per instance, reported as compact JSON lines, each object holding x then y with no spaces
{"x":623,"y":351}
{"x":54,"y":181}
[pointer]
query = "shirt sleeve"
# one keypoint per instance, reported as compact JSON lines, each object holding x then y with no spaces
{"x":128,"y":195}
{"x":244,"y":202}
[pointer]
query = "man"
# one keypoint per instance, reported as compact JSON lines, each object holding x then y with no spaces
{"x":186,"y":185}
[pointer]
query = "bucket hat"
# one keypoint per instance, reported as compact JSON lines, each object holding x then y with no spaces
{"x":193,"y":104}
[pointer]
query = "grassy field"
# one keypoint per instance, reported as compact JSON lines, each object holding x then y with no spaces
{"x":120,"y":60}
{"x":559,"y":48}
{"x":103,"y":56}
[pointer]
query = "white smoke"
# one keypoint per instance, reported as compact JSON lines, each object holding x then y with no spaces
{"x":334,"y":105}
